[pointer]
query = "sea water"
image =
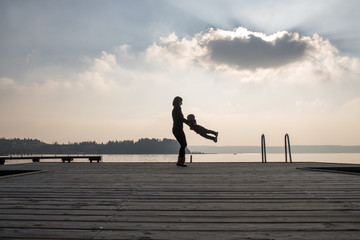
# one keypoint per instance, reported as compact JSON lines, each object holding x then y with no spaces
{"x":352,"y":158}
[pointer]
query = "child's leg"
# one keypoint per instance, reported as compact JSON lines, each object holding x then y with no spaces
{"x":210,"y":131}
{"x":203,"y":132}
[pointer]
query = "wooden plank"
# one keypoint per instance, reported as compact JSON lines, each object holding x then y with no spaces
{"x":161,"y":201}
{"x":171,"y":234}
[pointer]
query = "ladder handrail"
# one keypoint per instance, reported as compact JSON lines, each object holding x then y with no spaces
{"x":263,"y":149}
{"x":287,"y":146}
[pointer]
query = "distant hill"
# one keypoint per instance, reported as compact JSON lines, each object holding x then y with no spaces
{"x":272,"y":149}
{"x":150,"y":146}
{"x":142,"y":146}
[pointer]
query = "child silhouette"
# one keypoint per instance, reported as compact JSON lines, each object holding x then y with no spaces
{"x":200,"y":129}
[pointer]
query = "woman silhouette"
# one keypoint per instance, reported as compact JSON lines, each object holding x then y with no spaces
{"x":178,"y":131}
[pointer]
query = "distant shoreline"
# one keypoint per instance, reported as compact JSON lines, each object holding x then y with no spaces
{"x":152,"y":146}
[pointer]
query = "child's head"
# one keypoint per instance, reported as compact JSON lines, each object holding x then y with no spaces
{"x":191,"y":117}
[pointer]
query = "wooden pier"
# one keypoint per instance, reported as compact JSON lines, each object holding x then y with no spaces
{"x":162,"y":201}
{"x":64,"y":158}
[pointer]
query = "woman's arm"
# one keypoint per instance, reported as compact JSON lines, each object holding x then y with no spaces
{"x":187,"y":122}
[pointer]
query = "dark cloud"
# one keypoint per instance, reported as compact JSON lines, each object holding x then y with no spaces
{"x":254,"y":52}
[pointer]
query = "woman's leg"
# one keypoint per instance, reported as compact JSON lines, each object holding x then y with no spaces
{"x":180,"y":137}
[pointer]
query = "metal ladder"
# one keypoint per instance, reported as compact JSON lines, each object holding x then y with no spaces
{"x":263,"y":149}
{"x":287,"y":147}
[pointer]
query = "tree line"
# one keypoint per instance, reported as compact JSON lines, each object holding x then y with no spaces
{"x":142,"y":146}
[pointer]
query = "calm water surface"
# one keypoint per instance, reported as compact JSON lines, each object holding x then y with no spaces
{"x":248,"y":157}
{"x":353,"y":158}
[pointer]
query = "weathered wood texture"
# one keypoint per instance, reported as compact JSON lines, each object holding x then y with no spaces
{"x":162,"y":201}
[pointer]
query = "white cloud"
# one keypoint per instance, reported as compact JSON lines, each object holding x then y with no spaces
{"x":248,"y":54}
{"x":131,"y":92}
{"x":6,"y":83}
{"x":239,"y":49}
{"x":352,"y":106}
{"x":279,"y":58}
{"x":31,"y":55}
{"x":316,"y":105}
{"x":245,"y":50}
{"x":169,"y":39}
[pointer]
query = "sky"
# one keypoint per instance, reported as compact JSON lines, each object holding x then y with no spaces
{"x":91,"y":70}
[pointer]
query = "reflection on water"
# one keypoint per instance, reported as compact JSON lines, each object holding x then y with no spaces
{"x":247,"y":157}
